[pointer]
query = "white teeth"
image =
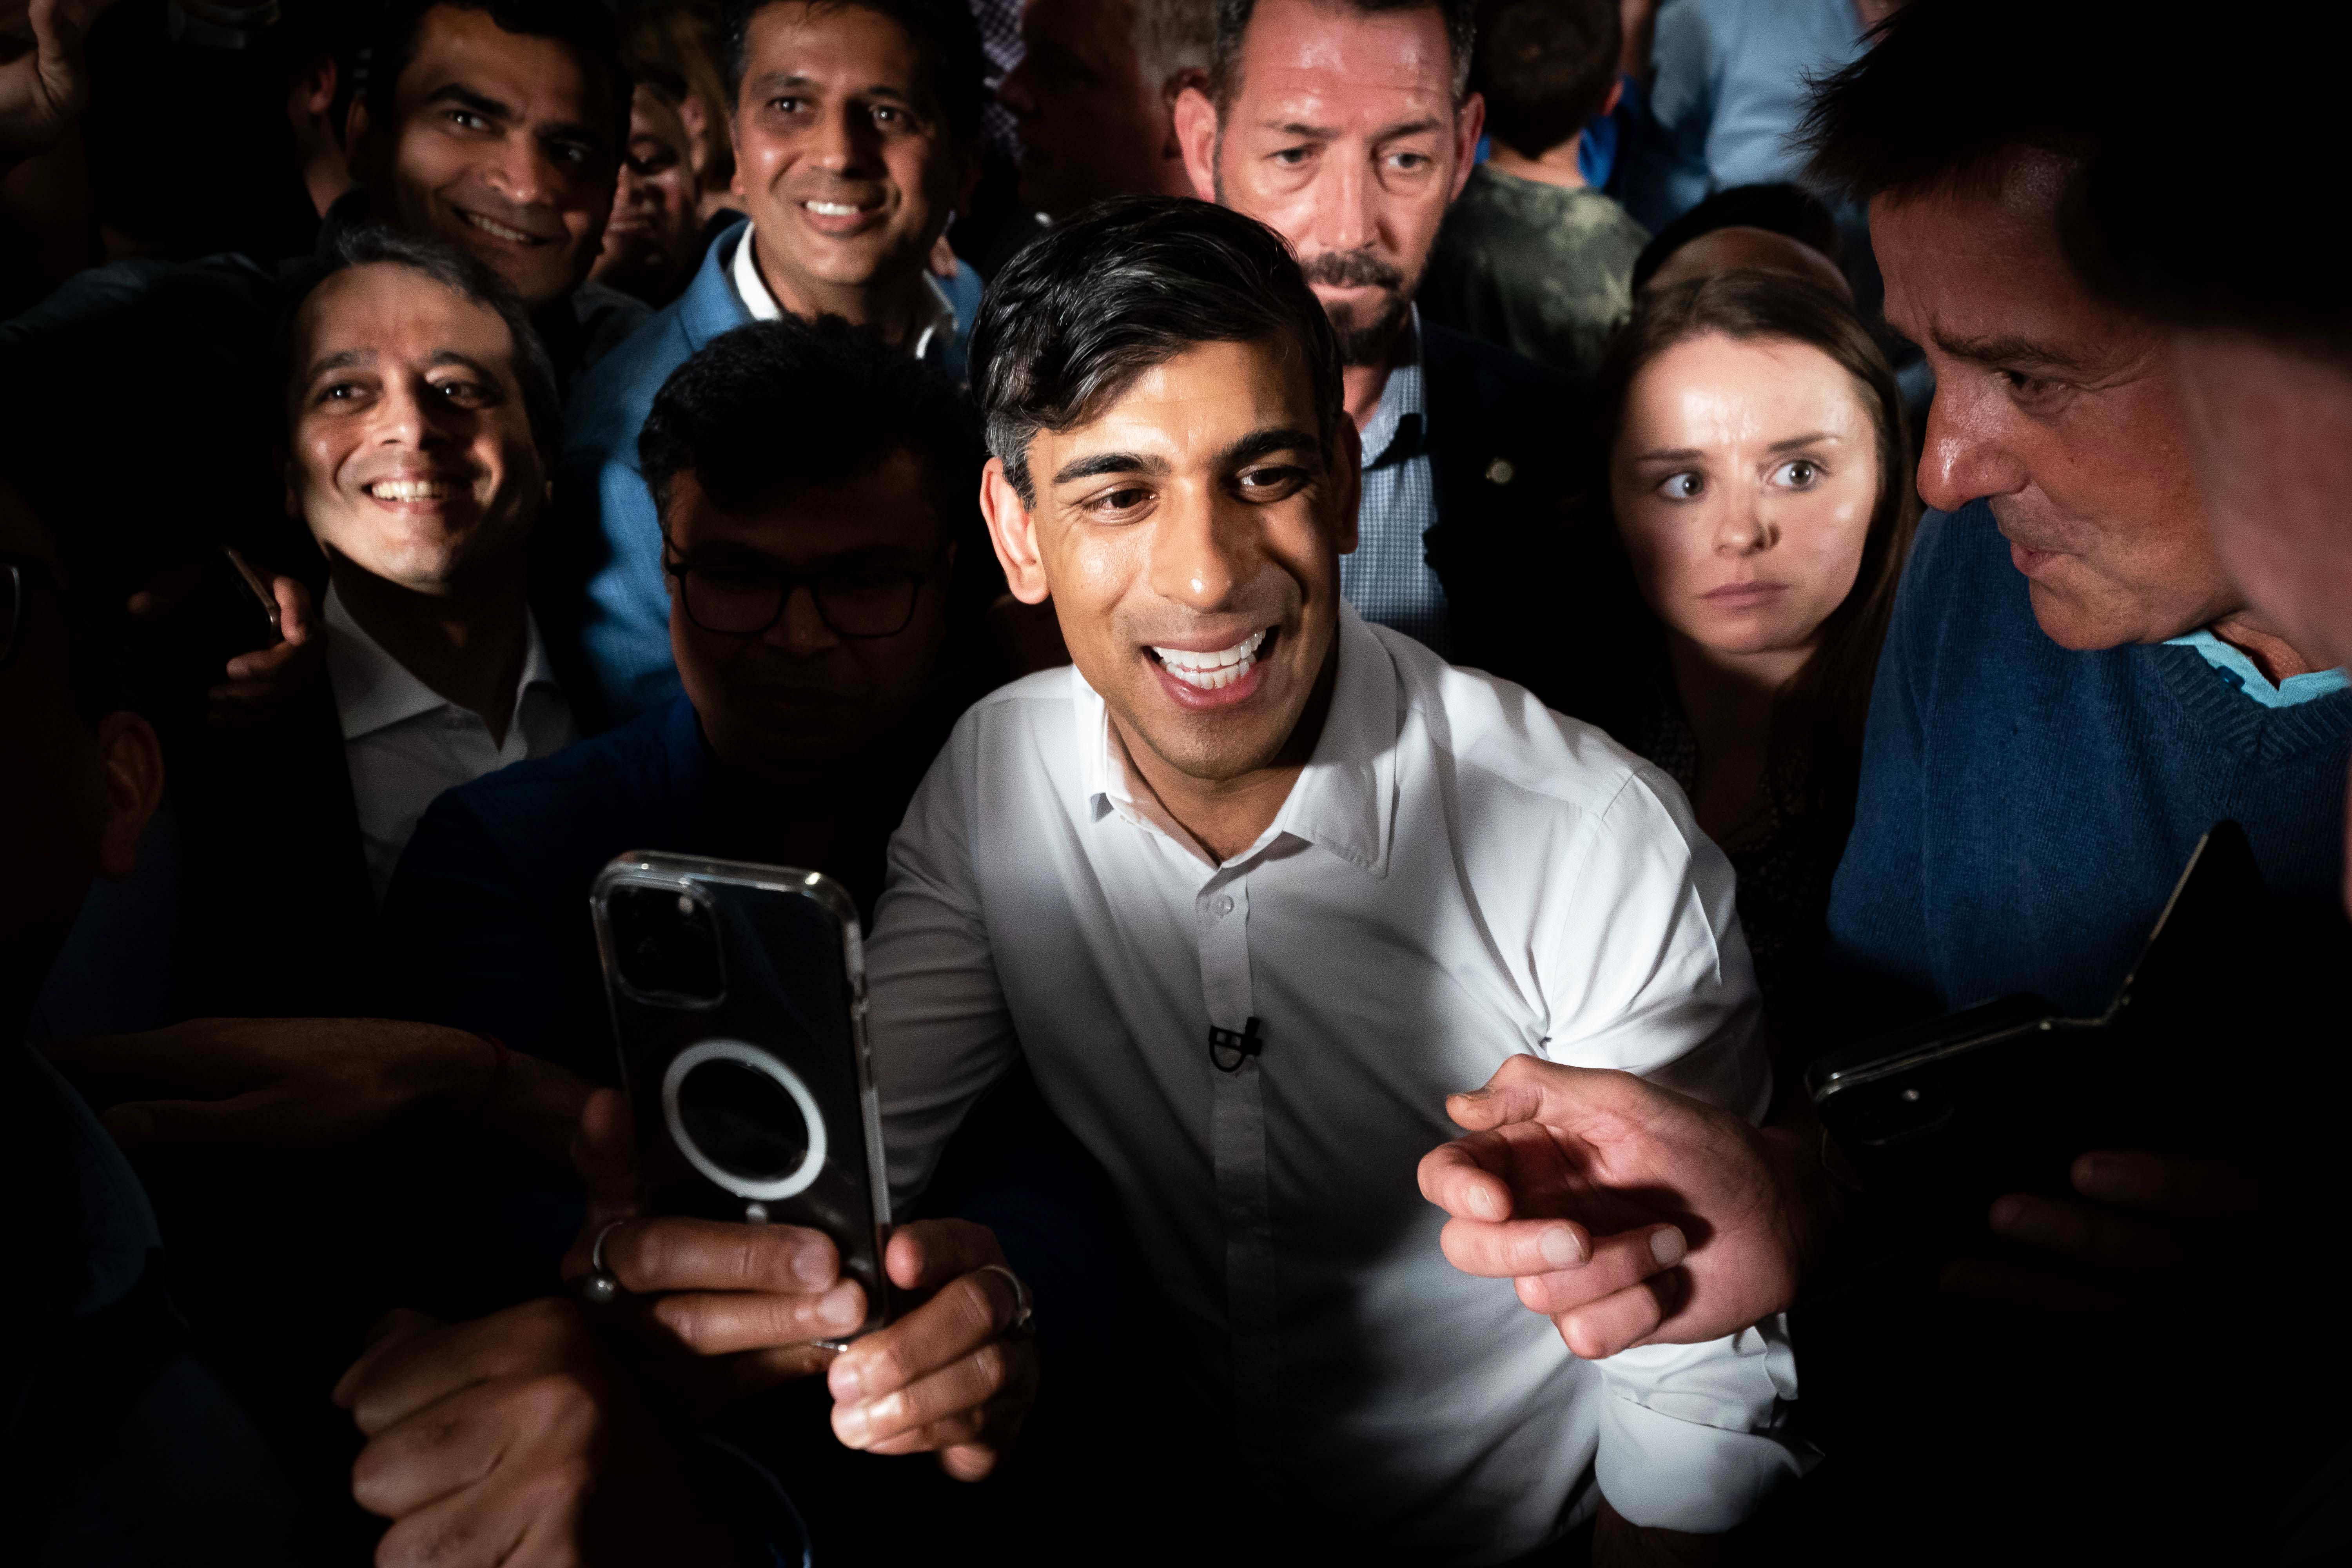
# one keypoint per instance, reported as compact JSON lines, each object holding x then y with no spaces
{"x":1212,"y":672}
{"x":497,"y":230}
{"x":409,"y":490}
{"x":831,"y":209}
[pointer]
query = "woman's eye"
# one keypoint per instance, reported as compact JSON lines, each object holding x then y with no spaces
{"x":1800,"y":474}
{"x":1682,"y":486}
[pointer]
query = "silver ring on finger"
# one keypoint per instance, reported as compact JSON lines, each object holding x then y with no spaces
{"x":600,"y":1286}
{"x":1024,"y":1307}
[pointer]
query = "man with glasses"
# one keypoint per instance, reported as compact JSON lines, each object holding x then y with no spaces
{"x":817,"y":613}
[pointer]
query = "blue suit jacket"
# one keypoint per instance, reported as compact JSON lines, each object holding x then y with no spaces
{"x":610,"y":557}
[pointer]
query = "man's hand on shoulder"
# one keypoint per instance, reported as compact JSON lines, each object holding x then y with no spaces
{"x":1625,"y":1212}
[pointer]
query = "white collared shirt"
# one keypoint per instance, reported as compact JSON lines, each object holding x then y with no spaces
{"x":405,"y":742}
{"x":932,"y":332}
{"x":1458,"y":876}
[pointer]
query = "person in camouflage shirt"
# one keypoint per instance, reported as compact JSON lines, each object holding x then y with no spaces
{"x":1531,"y":257}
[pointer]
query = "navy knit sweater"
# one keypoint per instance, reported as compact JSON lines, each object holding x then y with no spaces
{"x":2025,"y":810}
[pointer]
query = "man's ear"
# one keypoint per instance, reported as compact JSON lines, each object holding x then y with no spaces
{"x":1347,"y":484}
{"x":1196,"y":133}
{"x":1469,"y":124}
{"x":1192,"y":78}
{"x":1013,"y":533}
{"x":358,"y":149}
{"x":132,"y":760}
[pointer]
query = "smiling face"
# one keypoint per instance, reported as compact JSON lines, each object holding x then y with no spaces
{"x":657,"y":219}
{"x":1343,"y":136}
{"x":499,"y":142}
{"x":1092,"y":124}
{"x":1188,"y":535}
{"x":2062,"y":411}
{"x":411,"y":455}
{"x":801,"y":695}
{"x":1743,"y":482}
{"x":843,"y":156}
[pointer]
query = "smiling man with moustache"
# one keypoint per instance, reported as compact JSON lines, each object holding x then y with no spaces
{"x":856,"y":136}
{"x":1254,"y":885}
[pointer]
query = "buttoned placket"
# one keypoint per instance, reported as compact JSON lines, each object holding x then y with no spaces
{"x":1237,"y":1141}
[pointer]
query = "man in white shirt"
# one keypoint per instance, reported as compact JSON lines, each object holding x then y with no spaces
{"x":1256,"y":884}
{"x":421,"y":415}
{"x":856,"y":135}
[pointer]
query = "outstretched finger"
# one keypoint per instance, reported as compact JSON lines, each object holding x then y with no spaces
{"x":2192,"y":1189}
{"x":1526,"y":1090}
{"x":1617,"y":1261}
{"x":259,"y":1116}
{"x":1465,"y":1178}
{"x":1515,"y":1248}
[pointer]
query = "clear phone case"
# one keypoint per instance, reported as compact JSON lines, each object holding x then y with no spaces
{"x":737,"y":995}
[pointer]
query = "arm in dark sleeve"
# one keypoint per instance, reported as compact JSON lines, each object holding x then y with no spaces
{"x":470,"y":946}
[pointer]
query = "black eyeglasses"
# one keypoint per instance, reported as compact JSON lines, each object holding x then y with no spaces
{"x":746,"y":601}
{"x":18,"y":576}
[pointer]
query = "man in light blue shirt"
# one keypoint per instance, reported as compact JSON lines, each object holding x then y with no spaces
{"x":856,"y":133}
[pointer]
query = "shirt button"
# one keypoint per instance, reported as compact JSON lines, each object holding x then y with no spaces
{"x":1225,"y":904}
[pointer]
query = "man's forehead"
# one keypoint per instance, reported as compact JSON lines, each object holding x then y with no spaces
{"x":843,"y":44}
{"x":397,"y":312}
{"x":887,"y":506}
{"x":542,"y":77}
{"x":1299,"y":55}
{"x":1191,"y":406}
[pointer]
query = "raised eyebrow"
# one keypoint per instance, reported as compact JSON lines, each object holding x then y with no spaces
{"x":2010,"y":351}
{"x":463,"y":361}
{"x":1103,"y":463}
{"x":465,"y":97}
{"x":1262,"y":443}
{"x":343,"y":360}
{"x":1817,"y":439}
{"x":1411,"y":128}
{"x":1672,"y":455}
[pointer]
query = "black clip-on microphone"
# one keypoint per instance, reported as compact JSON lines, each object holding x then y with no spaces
{"x":1242,"y":1046}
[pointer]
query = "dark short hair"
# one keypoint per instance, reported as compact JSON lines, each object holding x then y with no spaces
{"x":1953,"y":90}
{"x":2265,"y":257}
{"x":1233,"y":20}
{"x":798,"y":401}
{"x":1545,"y":67}
{"x":1126,"y":285}
{"x":946,"y":30}
{"x":581,"y":26}
{"x":1779,"y":206}
{"x":369,"y":245}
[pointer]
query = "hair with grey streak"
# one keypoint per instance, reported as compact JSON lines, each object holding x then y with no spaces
{"x":1233,"y":20}
{"x":372,"y":245}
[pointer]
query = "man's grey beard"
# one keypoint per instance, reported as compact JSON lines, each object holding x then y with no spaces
{"x":1373,"y":341}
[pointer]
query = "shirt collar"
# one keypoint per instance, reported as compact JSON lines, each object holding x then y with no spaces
{"x":1398,"y":426}
{"x":375,"y":690}
{"x":1345,"y":799}
{"x":934,"y":325}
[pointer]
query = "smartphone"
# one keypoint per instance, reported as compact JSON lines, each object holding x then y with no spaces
{"x":2002,"y":1097}
{"x":258,"y":594}
{"x":737,"y":995}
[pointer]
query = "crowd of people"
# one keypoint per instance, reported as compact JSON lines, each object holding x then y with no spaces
{"x":1399,"y":618}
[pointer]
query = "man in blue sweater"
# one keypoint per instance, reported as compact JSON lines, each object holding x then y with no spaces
{"x":2072,"y":691}
{"x":856,"y":137}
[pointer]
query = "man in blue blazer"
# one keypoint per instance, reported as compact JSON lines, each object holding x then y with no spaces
{"x":856,"y":134}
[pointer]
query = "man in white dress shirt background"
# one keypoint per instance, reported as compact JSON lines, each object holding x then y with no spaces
{"x":1254,"y":885}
